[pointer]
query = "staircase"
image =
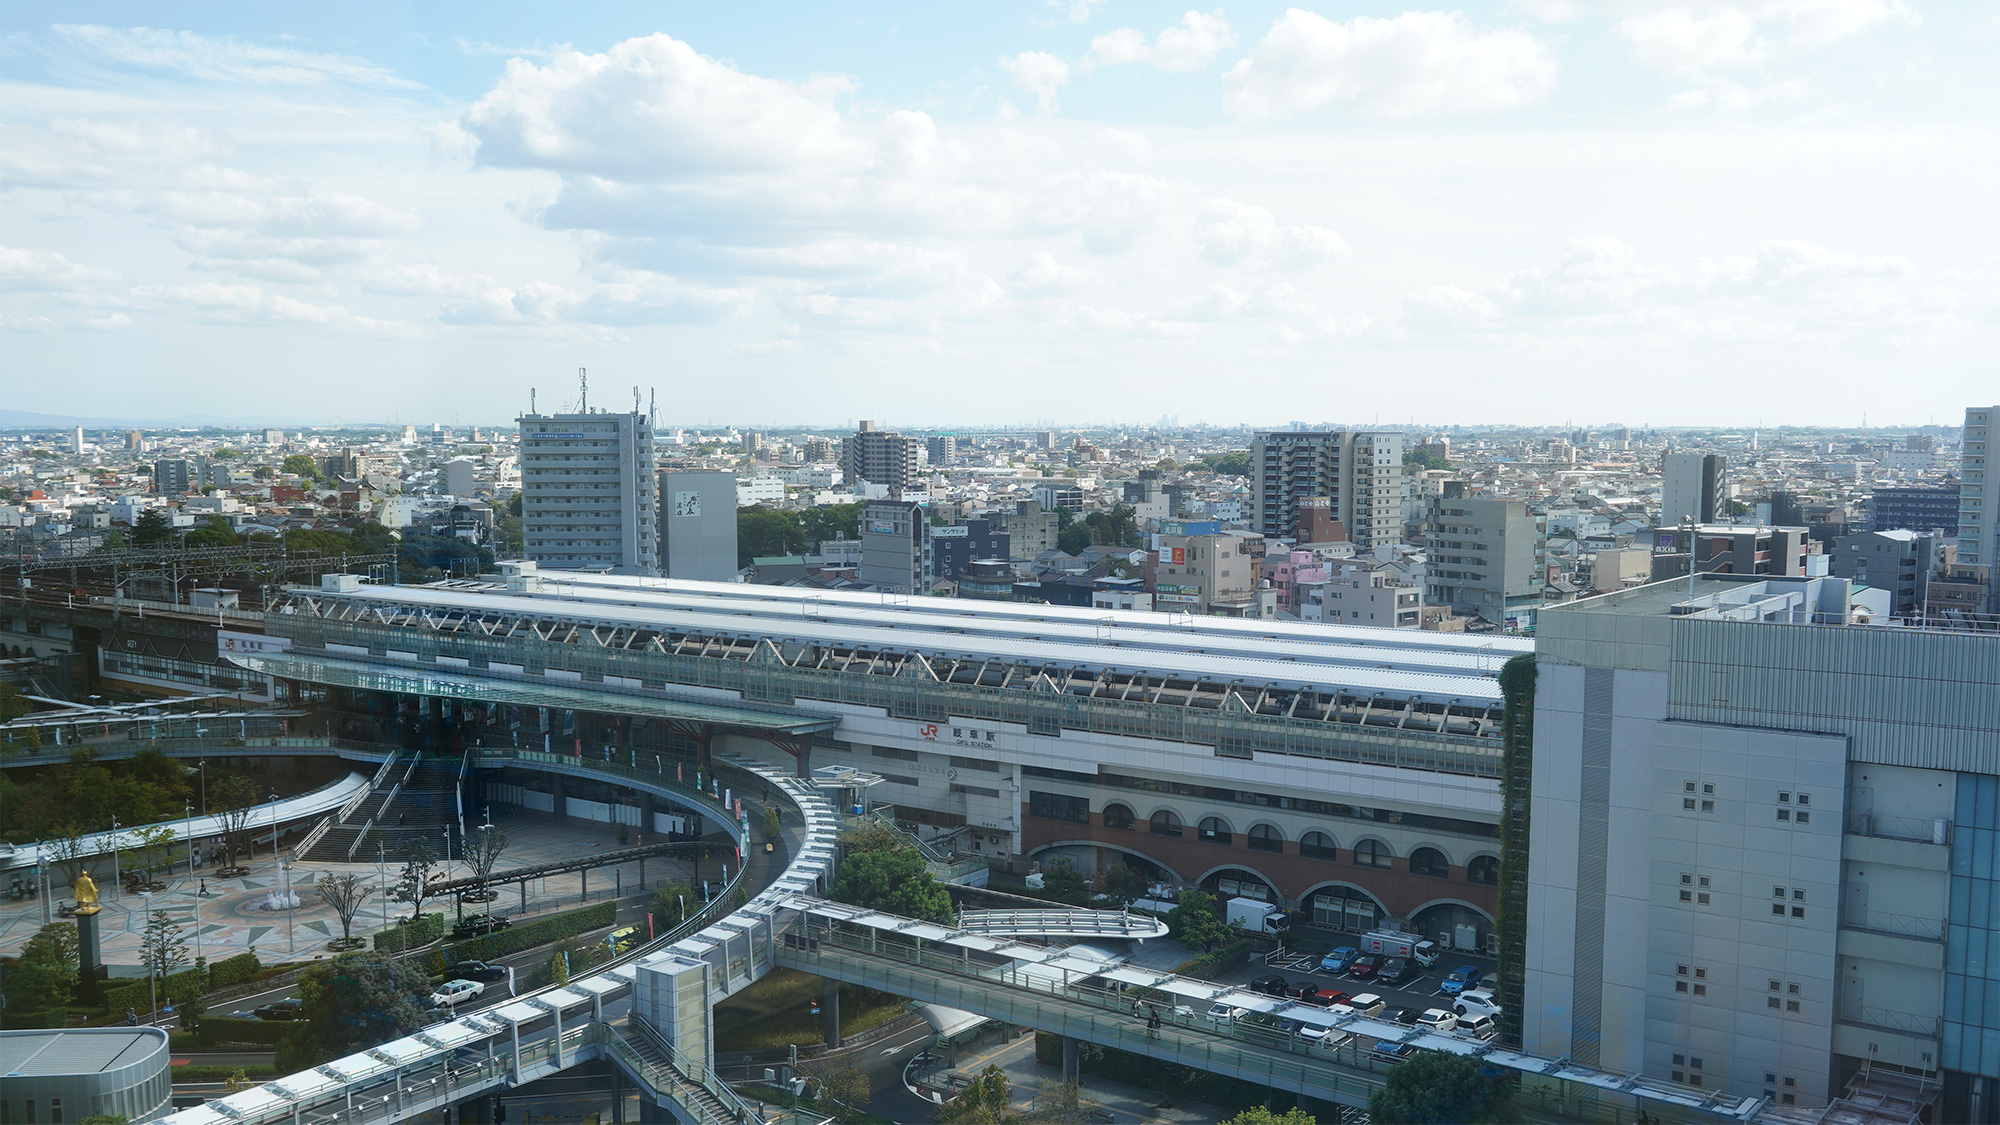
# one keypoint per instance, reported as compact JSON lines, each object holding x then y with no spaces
{"x":342,"y":840}
{"x":661,"y":1074}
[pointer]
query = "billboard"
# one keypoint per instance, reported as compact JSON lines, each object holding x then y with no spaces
{"x":1178,"y":556}
{"x":881,"y":527}
{"x":955,"y":531}
{"x":1178,"y":599}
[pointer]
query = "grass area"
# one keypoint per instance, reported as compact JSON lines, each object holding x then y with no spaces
{"x":201,"y":1072}
{"x":777,"y":1012}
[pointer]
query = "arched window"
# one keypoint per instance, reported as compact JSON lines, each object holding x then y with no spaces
{"x":1316,"y":844}
{"x":1117,"y":816}
{"x":1430,"y":861}
{"x":1166,"y":823}
{"x":1265,"y":838}
{"x":1371,"y":853}
{"x":1483,"y":869}
{"x":1215,"y":830}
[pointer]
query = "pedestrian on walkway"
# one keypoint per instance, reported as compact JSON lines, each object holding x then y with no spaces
{"x":1138,"y":1009}
{"x":132,"y":1017}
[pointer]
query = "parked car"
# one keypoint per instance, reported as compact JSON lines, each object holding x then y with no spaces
{"x":1477,"y":1002}
{"x":477,"y":924}
{"x":1328,"y":997}
{"x":1465,"y":978}
{"x":1478,"y":1027}
{"x":1389,"y":1054}
{"x":1338,"y":960}
{"x":1333,"y":1040}
{"x":481,"y":971}
{"x":1366,"y":1004}
{"x":623,"y":940}
{"x":1219,"y":1012}
{"x":1396,"y":970}
{"x":1304,"y":990}
{"x":1437,"y":1019}
{"x":277,"y":1010}
{"x":1273,"y":985}
{"x":1364,"y":967}
{"x":1405,"y":1016}
{"x":452,"y":993}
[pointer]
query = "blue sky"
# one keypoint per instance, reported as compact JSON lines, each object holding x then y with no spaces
{"x":1647,"y":211}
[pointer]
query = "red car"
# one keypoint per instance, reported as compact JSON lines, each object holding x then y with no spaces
{"x":1328,"y":997}
{"x":1364,"y":966}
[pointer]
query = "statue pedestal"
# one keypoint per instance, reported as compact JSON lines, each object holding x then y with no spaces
{"x":90,"y":971}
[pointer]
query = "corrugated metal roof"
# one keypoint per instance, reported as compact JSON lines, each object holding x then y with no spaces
{"x":82,"y":1050}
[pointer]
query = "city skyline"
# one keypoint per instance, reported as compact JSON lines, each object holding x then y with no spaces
{"x":1518,"y":212}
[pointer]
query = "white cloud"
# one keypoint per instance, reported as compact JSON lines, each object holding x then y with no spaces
{"x":1232,"y":233}
{"x":1042,"y":276}
{"x":44,"y":270}
{"x":1039,"y":73}
{"x":1679,"y":42}
{"x":542,"y":304}
{"x":1417,"y":64}
{"x":225,"y":59}
{"x":1187,"y":46}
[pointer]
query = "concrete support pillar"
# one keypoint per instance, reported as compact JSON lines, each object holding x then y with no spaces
{"x":829,"y":1010}
{"x":1069,"y":1058}
{"x":652,"y":1112}
{"x":617,"y":1095}
{"x":560,"y":793}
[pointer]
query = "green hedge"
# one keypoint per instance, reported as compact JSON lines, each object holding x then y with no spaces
{"x":204,"y":1072}
{"x":513,"y":939}
{"x":1235,"y":955}
{"x":410,"y":933}
{"x":215,"y":1030}
{"x":54,"y":1017}
{"x":136,"y":996}
{"x":234,"y":970}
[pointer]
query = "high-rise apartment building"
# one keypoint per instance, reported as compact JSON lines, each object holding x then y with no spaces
{"x":698,"y":526}
{"x":1360,"y":472}
{"x":173,"y":476}
{"x":943,"y":449}
{"x":1901,"y":562}
{"x":895,"y":546}
{"x":817,"y":450}
{"x":1693,"y":484}
{"x":882,"y":457}
{"x":1913,"y":509}
{"x":1486,"y":558}
{"x":589,"y":493}
{"x":1978,"y":505}
{"x":1759,"y":845}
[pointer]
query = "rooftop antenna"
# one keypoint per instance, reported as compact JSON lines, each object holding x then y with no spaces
{"x":635,"y":400}
{"x":653,"y":407}
{"x":531,"y":400}
{"x":583,"y":381}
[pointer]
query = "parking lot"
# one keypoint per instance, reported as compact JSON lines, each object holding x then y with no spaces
{"x":1419,"y":993}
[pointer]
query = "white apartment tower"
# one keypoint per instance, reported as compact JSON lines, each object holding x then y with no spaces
{"x":1979,"y":506}
{"x":1360,"y":472}
{"x":589,"y":494}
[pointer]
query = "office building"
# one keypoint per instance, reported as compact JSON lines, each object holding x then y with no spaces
{"x":589,"y":493}
{"x":1376,"y":597}
{"x":958,"y":545}
{"x":1058,"y":496}
{"x":1742,"y":549}
{"x":1214,"y":573}
{"x":698,"y":525}
{"x":1486,"y":558}
{"x":817,"y":450}
{"x":882,"y":457}
{"x":1913,"y":509}
{"x":1979,"y":506}
{"x":459,"y":473}
{"x":943,"y":449}
{"x":1759,"y":844}
{"x":1359,"y":473}
{"x":896,"y":546}
{"x":1030,"y":529}
{"x":1903,"y":563}
{"x":173,"y":476}
{"x":1693,"y":484}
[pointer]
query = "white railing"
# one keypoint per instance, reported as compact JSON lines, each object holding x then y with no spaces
{"x":303,"y":846}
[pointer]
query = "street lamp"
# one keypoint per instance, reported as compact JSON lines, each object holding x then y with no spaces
{"x":187,"y":816}
{"x":274,"y":826}
{"x":113,"y":841}
{"x":202,"y":764}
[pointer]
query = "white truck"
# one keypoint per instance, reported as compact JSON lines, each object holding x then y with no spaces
{"x":1390,"y":943}
{"x":1255,"y":917}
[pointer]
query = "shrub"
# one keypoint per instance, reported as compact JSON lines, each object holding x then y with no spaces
{"x":54,"y":1017}
{"x":204,"y":1073}
{"x":539,"y":932}
{"x":235,"y":970}
{"x":410,"y":933}
{"x":217,"y":1030}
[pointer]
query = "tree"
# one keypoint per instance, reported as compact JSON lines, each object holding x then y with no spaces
{"x":237,"y":1082}
{"x":189,"y":995}
{"x":771,"y":824}
{"x":1118,"y":527}
{"x":1438,"y":1087}
{"x":346,"y":894}
{"x":1062,"y":882}
{"x":1059,"y":1103}
{"x":1235,"y":463}
{"x":1072,"y":540}
{"x":840,"y":1085}
{"x":147,"y":849}
{"x":44,"y":976}
{"x":214,"y":532}
{"x":896,"y":882}
{"x":670,"y":903}
{"x":1422,"y":458}
{"x":163,"y":947}
{"x":1119,"y":881}
{"x":114,"y":541}
{"x":302,"y":465}
{"x":559,"y":967}
{"x":834,"y":521}
{"x":224,"y":453}
{"x":871,"y":836}
{"x":1196,"y":922}
{"x":346,"y":1004}
{"x":233,"y":799}
{"x":12,"y":704}
{"x":1258,"y":1115}
{"x":982,"y":1102}
{"x":483,"y":847}
{"x":414,"y":885}
{"x":1167,"y":465}
{"x":1735,"y":508}
{"x":72,"y":857}
{"x":763,"y":533}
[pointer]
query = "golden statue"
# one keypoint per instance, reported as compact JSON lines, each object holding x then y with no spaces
{"x":86,"y":894}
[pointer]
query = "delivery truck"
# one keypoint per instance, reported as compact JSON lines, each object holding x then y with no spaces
{"x":1391,"y":943}
{"x":1257,"y":917}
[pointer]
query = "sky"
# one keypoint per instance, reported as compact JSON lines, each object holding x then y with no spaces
{"x":1648,"y":212}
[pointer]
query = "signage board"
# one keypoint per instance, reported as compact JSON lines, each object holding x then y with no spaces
{"x":227,"y":643}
